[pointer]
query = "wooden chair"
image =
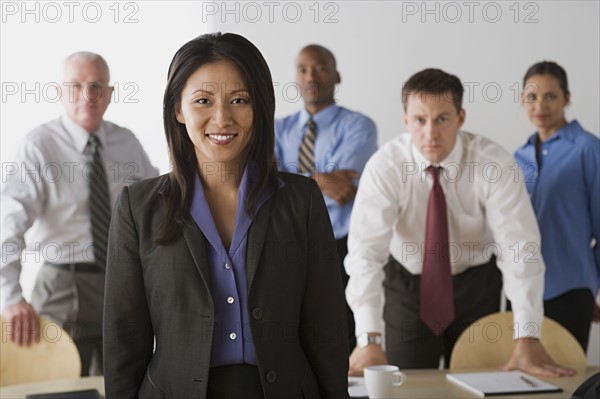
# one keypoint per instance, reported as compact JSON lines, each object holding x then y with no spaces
{"x":488,"y":343}
{"x":55,"y":356}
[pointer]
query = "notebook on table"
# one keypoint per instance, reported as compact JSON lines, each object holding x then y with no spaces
{"x":501,"y":383}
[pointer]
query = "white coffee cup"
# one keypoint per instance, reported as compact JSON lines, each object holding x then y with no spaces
{"x":383,"y":381}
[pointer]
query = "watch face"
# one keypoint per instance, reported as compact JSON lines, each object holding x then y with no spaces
{"x":364,"y":340}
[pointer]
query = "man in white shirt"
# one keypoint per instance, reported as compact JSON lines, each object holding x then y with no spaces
{"x":46,"y":192}
{"x":400,"y":229}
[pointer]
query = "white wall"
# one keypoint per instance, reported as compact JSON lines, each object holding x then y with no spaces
{"x":138,"y":48}
{"x":378,"y":45}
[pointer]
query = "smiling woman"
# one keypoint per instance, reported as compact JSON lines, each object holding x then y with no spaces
{"x":228,"y":265}
{"x":216,"y":111}
{"x":217,"y":115}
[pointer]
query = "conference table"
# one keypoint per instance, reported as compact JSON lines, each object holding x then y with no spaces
{"x":77,"y":384}
{"x":429,"y":384}
{"x":432,"y":384}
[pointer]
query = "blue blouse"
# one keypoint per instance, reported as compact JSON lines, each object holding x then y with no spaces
{"x":565,"y":193}
{"x":232,"y":338}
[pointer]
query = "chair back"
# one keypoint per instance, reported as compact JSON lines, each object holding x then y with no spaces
{"x":488,"y":343}
{"x":55,"y":356}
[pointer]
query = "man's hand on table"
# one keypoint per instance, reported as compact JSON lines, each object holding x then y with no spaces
{"x":360,"y":358}
{"x":530,"y":356}
{"x":25,"y":323}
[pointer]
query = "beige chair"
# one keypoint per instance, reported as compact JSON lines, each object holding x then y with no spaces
{"x":488,"y":343}
{"x":55,"y":356}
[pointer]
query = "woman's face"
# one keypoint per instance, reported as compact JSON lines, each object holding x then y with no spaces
{"x":216,"y":110}
{"x":545,"y":102}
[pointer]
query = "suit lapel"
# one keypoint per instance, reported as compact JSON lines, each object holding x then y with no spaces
{"x":195,"y":242}
{"x":256,"y":239}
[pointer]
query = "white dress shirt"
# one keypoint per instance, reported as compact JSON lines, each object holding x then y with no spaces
{"x":489,"y":212}
{"x":45,"y":193}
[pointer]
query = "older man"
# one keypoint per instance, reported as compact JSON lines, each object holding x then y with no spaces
{"x":67,"y":175}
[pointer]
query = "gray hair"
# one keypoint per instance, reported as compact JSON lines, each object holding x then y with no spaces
{"x":87,"y":55}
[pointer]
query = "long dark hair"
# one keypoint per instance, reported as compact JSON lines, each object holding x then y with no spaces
{"x":179,"y":188}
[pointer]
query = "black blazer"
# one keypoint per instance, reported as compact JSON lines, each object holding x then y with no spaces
{"x":295,"y":299}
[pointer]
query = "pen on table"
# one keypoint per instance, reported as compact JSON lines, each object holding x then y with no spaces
{"x":528,"y":382}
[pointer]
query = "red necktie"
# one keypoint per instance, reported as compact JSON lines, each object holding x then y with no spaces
{"x":436,"y":296}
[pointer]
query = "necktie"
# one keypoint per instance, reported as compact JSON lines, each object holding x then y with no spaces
{"x":307,"y":149}
{"x":436,"y":295}
{"x":99,"y":200}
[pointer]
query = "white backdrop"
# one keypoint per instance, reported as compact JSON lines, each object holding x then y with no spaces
{"x":378,"y":44}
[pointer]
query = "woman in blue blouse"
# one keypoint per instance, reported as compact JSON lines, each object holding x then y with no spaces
{"x":561,"y":163}
{"x":223,"y":277}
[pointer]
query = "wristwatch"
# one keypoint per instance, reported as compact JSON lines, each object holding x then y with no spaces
{"x":364,"y":340}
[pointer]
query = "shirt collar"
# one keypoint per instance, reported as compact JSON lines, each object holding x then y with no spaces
{"x":567,"y":132}
{"x":322,"y":118}
{"x":79,"y":136}
{"x":453,"y":158}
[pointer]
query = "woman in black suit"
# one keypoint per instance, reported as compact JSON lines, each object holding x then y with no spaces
{"x":226,"y":264}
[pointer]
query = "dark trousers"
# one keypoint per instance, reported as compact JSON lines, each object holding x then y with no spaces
{"x":410,"y":344}
{"x":234,"y":382}
{"x":342,"y":247}
{"x":74,"y":299}
{"x":573,"y":310}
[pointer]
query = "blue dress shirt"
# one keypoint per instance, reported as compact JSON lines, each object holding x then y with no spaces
{"x":232,"y":338}
{"x":565,"y":193}
{"x":344,"y":140}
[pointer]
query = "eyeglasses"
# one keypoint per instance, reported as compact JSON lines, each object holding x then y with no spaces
{"x":90,"y":91}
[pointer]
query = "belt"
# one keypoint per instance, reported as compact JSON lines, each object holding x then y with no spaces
{"x":79,"y":267}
